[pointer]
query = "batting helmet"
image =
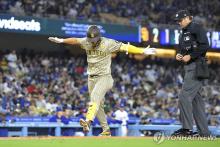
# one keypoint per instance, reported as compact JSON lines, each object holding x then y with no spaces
{"x":93,"y":34}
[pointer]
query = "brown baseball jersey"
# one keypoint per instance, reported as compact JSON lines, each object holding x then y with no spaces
{"x":99,"y":58}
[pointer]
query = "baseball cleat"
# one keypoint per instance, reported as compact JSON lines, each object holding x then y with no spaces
{"x":85,"y":125}
{"x":105,"y":133}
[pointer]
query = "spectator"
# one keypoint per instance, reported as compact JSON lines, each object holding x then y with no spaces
{"x":12,"y":61}
{"x":122,"y":116}
{"x":62,"y":117}
{"x":128,"y":12}
{"x":44,"y":90}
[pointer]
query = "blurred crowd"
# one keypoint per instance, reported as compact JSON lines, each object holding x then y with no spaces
{"x":131,"y":12}
{"x":42,"y":85}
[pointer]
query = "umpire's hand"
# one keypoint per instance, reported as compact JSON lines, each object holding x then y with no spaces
{"x":179,"y":57}
{"x":186,"y":58}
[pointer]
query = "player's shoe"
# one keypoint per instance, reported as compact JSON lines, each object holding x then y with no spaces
{"x":105,"y":133}
{"x":183,"y":132}
{"x":85,"y":125}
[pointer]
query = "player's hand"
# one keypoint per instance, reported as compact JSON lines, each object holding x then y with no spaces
{"x":179,"y":57}
{"x":56,"y":40}
{"x":149,"y":51}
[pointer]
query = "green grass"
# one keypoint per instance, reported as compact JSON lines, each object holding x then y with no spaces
{"x":101,"y":142}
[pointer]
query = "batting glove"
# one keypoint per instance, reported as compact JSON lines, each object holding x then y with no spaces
{"x":56,"y":40}
{"x":149,"y":51}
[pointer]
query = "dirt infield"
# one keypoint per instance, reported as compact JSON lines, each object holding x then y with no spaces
{"x":72,"y":137}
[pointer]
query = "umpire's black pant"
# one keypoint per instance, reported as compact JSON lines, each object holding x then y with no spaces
{"x":191,"y":103}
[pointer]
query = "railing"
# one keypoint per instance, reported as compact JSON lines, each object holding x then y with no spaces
{"x":23,"y":129}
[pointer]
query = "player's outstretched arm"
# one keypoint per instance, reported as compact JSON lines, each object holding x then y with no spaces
{"x":136,"y":50}
{"x":71,"y":41}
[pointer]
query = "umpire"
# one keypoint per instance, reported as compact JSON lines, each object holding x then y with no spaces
{"x":193,"y":45}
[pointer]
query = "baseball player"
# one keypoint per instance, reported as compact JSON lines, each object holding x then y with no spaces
{"x":99,"y":50}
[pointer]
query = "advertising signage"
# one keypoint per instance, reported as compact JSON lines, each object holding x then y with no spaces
{"x":64,"y":28}
{"x":170,"y":37}
{"x":162,"y":36}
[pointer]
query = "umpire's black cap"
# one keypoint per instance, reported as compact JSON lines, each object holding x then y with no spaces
{"x":181,"y":14}
{"x":93,"y":34}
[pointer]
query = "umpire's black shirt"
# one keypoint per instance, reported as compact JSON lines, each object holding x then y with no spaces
{"x":193,"y":41}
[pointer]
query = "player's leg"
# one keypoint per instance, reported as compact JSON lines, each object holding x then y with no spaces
{"x":103,"y":120}
{"x":200,"y":116}
{"x":102,"y":85}
{"x":91,"y":85}
{"x":101,"y":113}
